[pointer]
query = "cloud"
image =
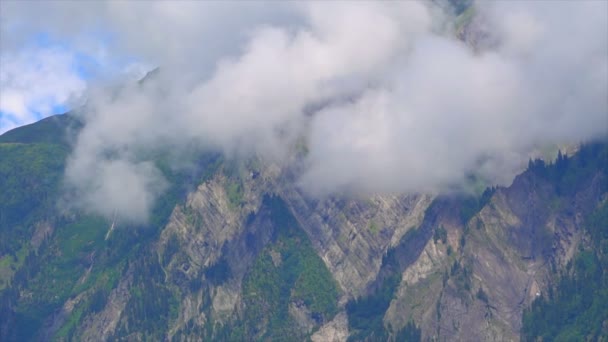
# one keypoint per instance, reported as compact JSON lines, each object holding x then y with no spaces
{"x":122,"y":188}
{"x":424,"y":130}
{"x":385,"y":95}
{"x":446,"y":112}
{"x":33,"y":81}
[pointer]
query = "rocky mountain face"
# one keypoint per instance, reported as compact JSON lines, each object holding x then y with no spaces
{"x":238,"y":252}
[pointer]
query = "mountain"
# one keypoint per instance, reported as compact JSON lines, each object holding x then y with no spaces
{"x":235,"y":251}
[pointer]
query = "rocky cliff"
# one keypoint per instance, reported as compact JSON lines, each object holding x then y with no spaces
{"x":243,"y":253}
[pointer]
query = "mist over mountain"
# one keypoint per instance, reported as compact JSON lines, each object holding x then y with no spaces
{"x":304,"y":171}
{"x":411,"y":107}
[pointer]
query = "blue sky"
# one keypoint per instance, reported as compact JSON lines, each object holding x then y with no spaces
{"x":38,"y":79}
{"x":42,"y":76}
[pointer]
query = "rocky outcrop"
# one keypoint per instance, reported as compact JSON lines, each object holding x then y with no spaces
{"x":470,"y":284}
{"x":210,"y":225}
{"x":351,"y":236}
{"x":420,"y":288}
{"x":497,"y":263}
{"x":101,"y":326}
{"x":334,"y":331}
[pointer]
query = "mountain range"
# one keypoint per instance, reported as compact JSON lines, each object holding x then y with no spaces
{"x":234,"y":250}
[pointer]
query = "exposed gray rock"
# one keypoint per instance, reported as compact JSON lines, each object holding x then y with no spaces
{"x":351,"y":236}
{"x":335,"y":330}
{"x":101,"y":326}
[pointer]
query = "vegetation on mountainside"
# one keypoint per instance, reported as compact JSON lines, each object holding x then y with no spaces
{"x":77,"y":264}
{"x":152,"y":305}
{"x":30,"y":176}
{"x":234,"y":190}
{"x":471,"y":205}
{"x":440,"y":234}
{"x":410,"y":333}
{"x":72,"y":261}
{"x":365,"y":314}
{"x":57,"y":129}
{"x":62,"y":268}
{"x":287,"y":273}
{"x":567,"y":174}
{"x":576,"y":307}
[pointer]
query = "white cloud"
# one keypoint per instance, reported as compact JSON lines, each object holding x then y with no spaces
{"x":401,"y":104}
{"x":33,"y":81}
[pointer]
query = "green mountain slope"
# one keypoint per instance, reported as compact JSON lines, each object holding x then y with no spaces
{"x":52,"y":254}
{"x":234,"y":251}
{"x":56,"y":129}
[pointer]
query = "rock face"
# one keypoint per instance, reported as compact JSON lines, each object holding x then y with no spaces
{"x":102,"y":326}
{"x":475,"y":285}
{"x":247,"y":255}
{"x":459,"y":279}
{"x":334,"y":331}
{"x":351,"y":236}
{"x":208,"y":226}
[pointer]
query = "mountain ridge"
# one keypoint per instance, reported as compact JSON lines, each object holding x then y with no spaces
{"x":452,"y":267}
